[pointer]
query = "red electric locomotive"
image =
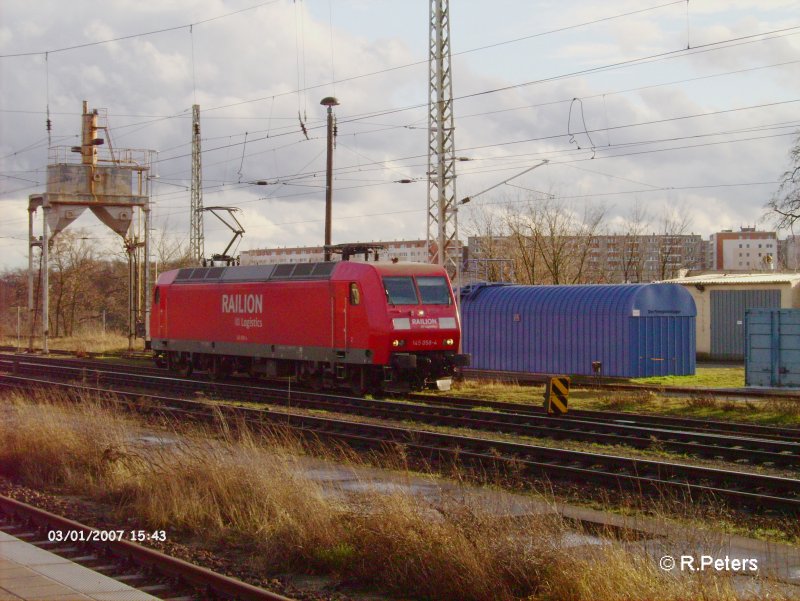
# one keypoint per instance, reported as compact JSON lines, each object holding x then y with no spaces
{"x":361,"y":325}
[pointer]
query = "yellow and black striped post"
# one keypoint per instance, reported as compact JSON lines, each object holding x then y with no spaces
{"x":556,"y":395}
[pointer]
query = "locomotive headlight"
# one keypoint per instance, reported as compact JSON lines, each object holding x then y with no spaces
{"x":449,"y":342}
{"x":397,"y":343}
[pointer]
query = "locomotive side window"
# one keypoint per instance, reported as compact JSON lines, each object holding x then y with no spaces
{"x":355,"y":295}
{"x":433,"y":290}
{"x":400,"y":291}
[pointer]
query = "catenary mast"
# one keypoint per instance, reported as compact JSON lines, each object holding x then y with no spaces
{"x":196,"y":237}
{"x":442,"y":211}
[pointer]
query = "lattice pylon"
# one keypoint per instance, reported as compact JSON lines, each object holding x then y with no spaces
{"x":196,"y":235}
{"x":442,"y":212}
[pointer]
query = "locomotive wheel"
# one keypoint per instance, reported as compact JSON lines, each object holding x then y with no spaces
{"x":181,"y":364}
{"x":358,"y":381}
{"x":218,"y":370}
{"x":315,"y":381}
{"x":186,"y":369}
{"x":375,"y":385}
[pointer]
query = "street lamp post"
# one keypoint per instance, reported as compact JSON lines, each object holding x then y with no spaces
{"x":330,"y":102}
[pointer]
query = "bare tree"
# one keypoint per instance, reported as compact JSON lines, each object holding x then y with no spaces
{"x":552,"y":242}
{"x":674,"y":224}
{"x":170,"y":251}
{"x":521,"y":222}
{"x":565,"y":240}
{"x":73,"y":258}
{"x":785,"y":204}
{"x":87,"y":281}
{"x":13,"y":287}
{"x":489,"y":244}
{"x":590,"y":228}
{"x":632,"y":254}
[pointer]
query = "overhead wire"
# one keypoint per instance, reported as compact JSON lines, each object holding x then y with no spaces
{"x":166,"y":159}
{"x":184,"y":113}
{"x":527,"y":83}
{"x":550,"y":152}
{"x":48,"y":123}
{"x":330,"y":29}
{"x":194,"y":71}
{"x":624,"y":192}
{"x":707,"y":47}
{"x":137,"y":35}
{"x":624,"y":126}
{"x":467,"y":51}
{"x":594,"y":69}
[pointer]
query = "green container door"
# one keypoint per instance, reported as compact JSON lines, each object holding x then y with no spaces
{"x":772,"y":356}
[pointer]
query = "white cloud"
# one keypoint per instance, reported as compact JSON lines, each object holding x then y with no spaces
{"x":225,"y":64}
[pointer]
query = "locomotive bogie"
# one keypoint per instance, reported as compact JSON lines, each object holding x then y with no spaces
{"x":353,"y":325}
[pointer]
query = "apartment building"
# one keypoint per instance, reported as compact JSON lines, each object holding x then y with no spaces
{"x":414,"y":251}
{"x":745,"y":250}
{"x":646,"y":258}
{"x":600,"y":259}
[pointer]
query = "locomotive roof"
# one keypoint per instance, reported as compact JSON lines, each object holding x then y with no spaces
{"x":407,"y":268}
{"x":288,"y":271}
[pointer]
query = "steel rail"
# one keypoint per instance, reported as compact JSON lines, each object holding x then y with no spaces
{"x":620,"y":384}
{"x":206,"y":583}
{"x":639,"y":419}
{"x":733,"y":448}
{"x":591,"y":382}
{"x":743,"y":490}
{"x":739,"y":429}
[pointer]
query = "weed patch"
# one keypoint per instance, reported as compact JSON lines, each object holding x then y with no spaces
{"x":228,"y":485}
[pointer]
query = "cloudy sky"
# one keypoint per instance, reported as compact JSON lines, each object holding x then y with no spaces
{"x":690,"y":105}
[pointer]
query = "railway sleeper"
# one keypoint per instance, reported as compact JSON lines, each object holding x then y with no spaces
{"x":159,"y":588}
{"x":84,"y":559}
{"x":132,"y":578}
{"x":26,"y":535}
{"x":68,"y":552}
{"x":106,"y":568}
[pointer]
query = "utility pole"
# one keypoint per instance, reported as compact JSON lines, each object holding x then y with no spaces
{"x":196,"y":237}
{"x":330,"y":102}
{"x":442,"y":210}
{"x":34,"y":202}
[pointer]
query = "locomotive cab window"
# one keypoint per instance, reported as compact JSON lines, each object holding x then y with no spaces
{"x":400,"y":291}
{"x":433,"y":290}
{"x":355,"y":294}
{"x":156,"y":295}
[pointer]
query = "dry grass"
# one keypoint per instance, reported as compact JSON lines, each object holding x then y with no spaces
{"x":231,"y":485}
{"x":774,"y":411}
{"x":497,"y":389}
{"x":48,"y":443}
{"x":616,"y":574}
{"x":702,"y":402}
{"x":639,"y":400}
{"x":87,"y":341}
{"x":780,"y":406}
{"x":235,"y":491}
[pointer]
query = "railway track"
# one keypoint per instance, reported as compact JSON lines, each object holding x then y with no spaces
{"x":763,"y":446}
{"x":742,"y":490}
{"x":138,"y":566}
{"x":602,"y":383}
{"x":646,"y":420}
{"x":620,"y":384}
